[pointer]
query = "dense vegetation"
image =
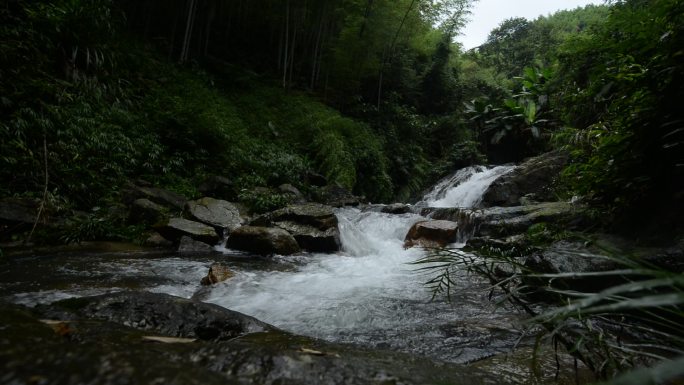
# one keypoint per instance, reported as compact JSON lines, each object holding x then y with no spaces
{"x":373,"y":94}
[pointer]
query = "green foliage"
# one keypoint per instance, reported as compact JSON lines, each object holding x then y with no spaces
{"x":263,"y":200}
{"x":627,"y":151}
{"x":627,"y":325}
{"x":335,"y":159}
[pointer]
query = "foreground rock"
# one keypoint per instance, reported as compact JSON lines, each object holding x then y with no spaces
{"x":214,"y":212}
{"x":263,"y":240}
{"x":106,"y":340}
{"x":174,"y":228}
{"x":217,"y":273}
{"x":436,"y":233}
{"x":534,"y":176}
{"x":314,"y":226}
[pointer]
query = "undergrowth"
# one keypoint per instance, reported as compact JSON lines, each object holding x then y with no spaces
{"x":633,"y":324}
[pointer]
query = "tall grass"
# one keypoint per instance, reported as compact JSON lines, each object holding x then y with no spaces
{"x":635,"y":324}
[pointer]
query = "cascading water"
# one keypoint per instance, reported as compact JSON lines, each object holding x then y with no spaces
{"x":465,"y":188}
{"x":368,"y":293}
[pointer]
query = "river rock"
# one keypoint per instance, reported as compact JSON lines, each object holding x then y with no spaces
{"x":217,"y":273}
{"x":105,"y":340}
{"x":161,"y":313}
{"x":314,"y":226}
{"x":311,"y":238}
{"x":572,"y":257}
{"x":145,"y":211}
{"x":214,"y":212}
{"x":336,"y":196}
{"x":156,"y":240}
{"x":292,"y":193}
{"x":432,"y":233}
{"x":396,"y":208}
{"x":533,"y":176}
{"x":506,"y":221}
{"x":174,"y":228}
{"x":263,"y":240}
{"x":188,"y":245}
{"x":316,"y":215}
{"x":157,"y":195}
{"x":219,"y":187}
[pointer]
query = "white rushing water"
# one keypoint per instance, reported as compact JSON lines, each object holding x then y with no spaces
{"x":368,"y":293}
{"x":353,"y":291}
{"x":465,"y":188}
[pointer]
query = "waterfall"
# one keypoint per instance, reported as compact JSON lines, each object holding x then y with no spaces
{"x":464,"y":188}
{"x":368,"y":293}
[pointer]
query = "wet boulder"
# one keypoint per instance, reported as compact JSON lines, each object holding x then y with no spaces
{"x":174,"y":228}
{"x":506,"y":221}
{"x":161,"y":313}
{"x":159,"y":196}
{"x":533,"y":176}
{"x":293,"y":194}
{"x":396,"y":208}
{"x":432,"y":233}
{"x":214,"y":212}
{"x":145,"y":211}
{"x":263,"y":240}
{"x":311,"y":238}
{"x":217,"y":273}
{"x":336,"y":196}
{"x":156,"y":240}
{"x":314,"y":226}
{"x":146,"y":338}
{"x":188,"y":245}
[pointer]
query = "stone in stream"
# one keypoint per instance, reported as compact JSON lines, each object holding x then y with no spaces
{"x":156,"y":240}
{"x":188,"y":245}
{"x":217,"y":273}
{"x":145,"y":211}
{"x":314,"y":226}
{"x":432,"y":233}
{"x":396,"y":208}
{"x":214,"y":212}
{"x":533,"y":176}
{"x":263,"y":240}
{"x":157,"y":195}
{"x":505,"y":221}
{"x":106,"y":340}
{"x":174,"y":228}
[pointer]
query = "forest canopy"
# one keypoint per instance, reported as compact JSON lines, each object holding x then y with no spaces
{"x":373,"y":94}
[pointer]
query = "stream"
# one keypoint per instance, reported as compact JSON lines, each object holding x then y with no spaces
{"x":368,"y":294}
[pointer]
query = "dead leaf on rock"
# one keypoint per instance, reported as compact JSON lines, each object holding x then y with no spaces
{"x":60,"y":327}
{"x":169,"y":340}
{"x":316,"y":352}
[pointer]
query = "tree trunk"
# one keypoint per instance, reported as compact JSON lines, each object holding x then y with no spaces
{"x":192,"y":7}
{"x":287,"y":42}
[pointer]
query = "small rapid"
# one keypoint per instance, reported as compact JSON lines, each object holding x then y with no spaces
{"x":465,"y":188}
{"x":354,"y":292}
{"x":369,"y":293}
